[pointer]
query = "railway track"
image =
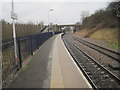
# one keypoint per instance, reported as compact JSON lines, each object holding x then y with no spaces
{"x":112,"y":54}
{"x":97,"y":75}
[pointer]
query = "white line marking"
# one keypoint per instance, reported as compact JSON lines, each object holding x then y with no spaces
{"x":77,"y":66}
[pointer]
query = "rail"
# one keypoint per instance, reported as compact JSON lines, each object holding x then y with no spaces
{"x":112,"y":54}
{"x":96,"y":74}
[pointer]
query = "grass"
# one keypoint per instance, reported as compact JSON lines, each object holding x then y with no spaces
{"x":114,"y":45}
{"x":110,"y":36}
{"x":82,"y":32}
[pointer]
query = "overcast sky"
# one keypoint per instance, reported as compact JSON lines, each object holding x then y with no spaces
{"x":64,"y":11}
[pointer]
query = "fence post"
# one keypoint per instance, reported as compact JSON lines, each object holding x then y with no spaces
{"x":31,"y":50}
{"x":19,"y":53}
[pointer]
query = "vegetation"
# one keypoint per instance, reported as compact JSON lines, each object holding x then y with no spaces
{"x":106,"y":18}
{"x":102,"y":25}
{"x":108,"y":35}
{"x":21,"y":29}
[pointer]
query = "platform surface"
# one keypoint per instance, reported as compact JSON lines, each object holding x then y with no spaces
{"x":65,"y":73}
{"x":50,"y":67}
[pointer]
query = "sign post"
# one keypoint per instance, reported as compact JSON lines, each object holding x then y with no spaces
{"x":14,"y":17}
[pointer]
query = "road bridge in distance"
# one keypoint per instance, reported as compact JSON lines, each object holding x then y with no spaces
{"x":61,"y":27}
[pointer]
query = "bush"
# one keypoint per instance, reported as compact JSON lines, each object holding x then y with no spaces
{"x":21,"y":29}
{"x":108,"y":18}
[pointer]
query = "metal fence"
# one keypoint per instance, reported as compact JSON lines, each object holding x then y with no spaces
{"x":25,"y":47}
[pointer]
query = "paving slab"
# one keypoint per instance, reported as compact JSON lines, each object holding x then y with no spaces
{"x":65,"y":72}
{"x":50,"y":67}
{"x":36,"y":74}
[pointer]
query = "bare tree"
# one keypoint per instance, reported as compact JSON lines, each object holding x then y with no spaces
{"x":41,"y":24}
{"x":83,"y":15}
{"x":114,"y":8}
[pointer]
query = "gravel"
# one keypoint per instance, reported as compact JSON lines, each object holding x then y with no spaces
{"x":97,"y":42}
{"x":101,"y":58}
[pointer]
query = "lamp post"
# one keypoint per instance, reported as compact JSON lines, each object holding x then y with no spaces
{"x":14,"y":17}
{"x":49,"y":20}
{"x":56,"y":25}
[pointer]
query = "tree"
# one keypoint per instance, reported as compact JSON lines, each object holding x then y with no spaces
{"x":41,"y":24}
{"x":113,"y":8}
{"x":83,"y":15}
{"x":78,"y":26}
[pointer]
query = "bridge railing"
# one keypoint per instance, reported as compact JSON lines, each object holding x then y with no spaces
{"x":25,"y":48}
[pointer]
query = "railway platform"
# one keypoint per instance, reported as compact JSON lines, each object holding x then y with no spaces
{"x":50,"y":67}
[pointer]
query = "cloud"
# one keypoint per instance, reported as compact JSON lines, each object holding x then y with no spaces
{"x":57,"y":0}
{"x":63,"y":12}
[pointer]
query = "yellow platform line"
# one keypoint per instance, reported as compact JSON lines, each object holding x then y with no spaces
{"x":56,"y":74}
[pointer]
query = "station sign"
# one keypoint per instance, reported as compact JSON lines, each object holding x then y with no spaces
{"x":14,"y":15}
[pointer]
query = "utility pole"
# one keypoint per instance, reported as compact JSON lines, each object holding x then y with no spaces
{"x":49,"y":20}
{"x":14,"y":17}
